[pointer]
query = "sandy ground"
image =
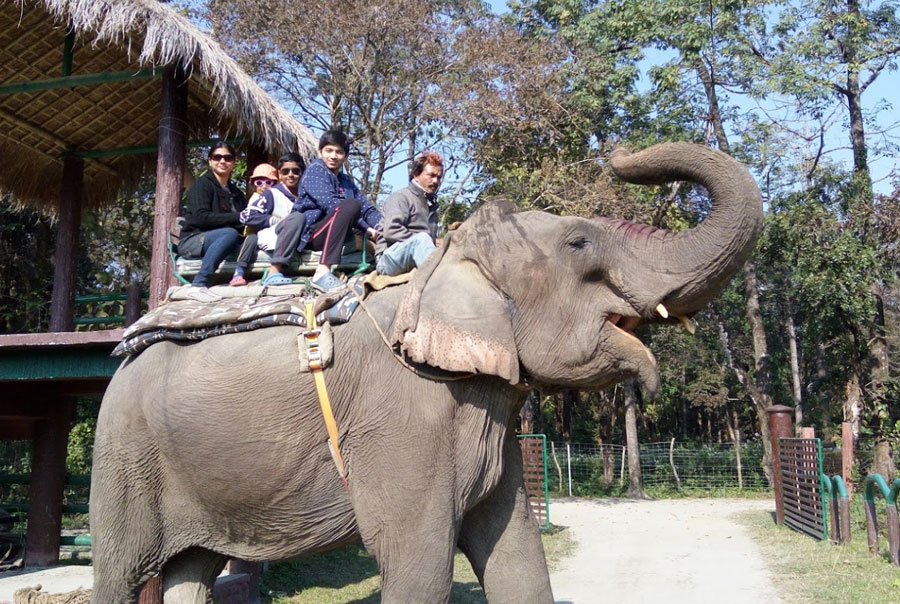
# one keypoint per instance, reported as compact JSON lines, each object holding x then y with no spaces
{"x":681,"y":551}
{"x":677,"y":551}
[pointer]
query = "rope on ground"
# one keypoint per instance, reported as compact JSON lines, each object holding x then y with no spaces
{"x":33,"y":595}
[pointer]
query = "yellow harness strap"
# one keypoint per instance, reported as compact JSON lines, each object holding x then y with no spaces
{"x":311,"y":337}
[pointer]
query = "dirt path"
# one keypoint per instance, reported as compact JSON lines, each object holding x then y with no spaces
{"x":681,"y":551}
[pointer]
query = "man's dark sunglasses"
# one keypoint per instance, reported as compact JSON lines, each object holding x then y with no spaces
{"x":258,"y":182}
{"x":219,"y":157}
{"x":286,"y":171}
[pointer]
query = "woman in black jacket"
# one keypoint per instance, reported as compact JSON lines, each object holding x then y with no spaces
{"x":212,"y":225}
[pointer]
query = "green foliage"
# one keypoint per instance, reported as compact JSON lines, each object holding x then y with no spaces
{"x":26,"y":246}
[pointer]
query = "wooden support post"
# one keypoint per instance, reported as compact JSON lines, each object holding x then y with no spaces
{"x":893,"y":527}
{"x":48,"y":475}
{"x":169,"y":177}
{"x":845,"y":519}
{"x":779,"y":427}
{"x":847,"y":456}
{"x":872,"y":527}
{"x":151,"y":593}
{"x":807,"y":432}
{"x":62,"y":301}
{"x":133,"y":303}
{"x":253,"y":569}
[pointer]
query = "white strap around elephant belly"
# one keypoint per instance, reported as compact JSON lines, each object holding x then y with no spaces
{"x":311,"y":337}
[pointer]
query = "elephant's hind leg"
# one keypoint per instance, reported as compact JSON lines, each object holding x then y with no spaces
{"x":189,"y":576}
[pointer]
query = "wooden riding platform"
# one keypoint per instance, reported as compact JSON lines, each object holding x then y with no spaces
{"x":40,"y":376}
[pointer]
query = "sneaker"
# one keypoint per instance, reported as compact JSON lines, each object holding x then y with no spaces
{"x":237,"y":281}
{"x":201,"y":294}
{"x":329,"y":282}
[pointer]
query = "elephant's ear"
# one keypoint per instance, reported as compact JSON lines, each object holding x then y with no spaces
{"x":453,"y":318}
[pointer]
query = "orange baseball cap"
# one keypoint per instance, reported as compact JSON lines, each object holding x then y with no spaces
{"x":264,"y":171}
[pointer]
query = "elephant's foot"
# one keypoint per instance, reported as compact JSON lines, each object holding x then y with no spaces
{"x":188,"y":577}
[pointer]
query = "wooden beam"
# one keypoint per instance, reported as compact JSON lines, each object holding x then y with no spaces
{"x":73,"y":81}
{"x":62,"y":300}
{"x":147,"y":149}
{"x":169,"y":177}
{"x":68,"y":51}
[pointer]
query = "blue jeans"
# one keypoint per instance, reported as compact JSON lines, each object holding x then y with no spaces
{"x":217,"y":244}
{"x":403,"y":256}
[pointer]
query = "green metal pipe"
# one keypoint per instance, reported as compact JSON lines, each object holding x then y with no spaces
{"x":839,"y":486}
{"x":77,"y":480}
{"x":100,"y":298}
{"x":98,"y":320}
{"x":147,"y":149}
{"x":88,"y":79}
{"x":75,"y":540}
{"x":874,"y":481}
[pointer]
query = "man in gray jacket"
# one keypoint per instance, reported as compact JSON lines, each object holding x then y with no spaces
{"x":411,"y":219}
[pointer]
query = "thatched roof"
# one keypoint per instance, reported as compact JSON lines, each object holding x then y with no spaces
{"x":37,"y":127}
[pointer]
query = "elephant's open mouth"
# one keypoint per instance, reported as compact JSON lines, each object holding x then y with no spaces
{"x":632,"y":352}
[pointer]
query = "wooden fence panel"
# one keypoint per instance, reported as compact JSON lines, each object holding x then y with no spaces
{"x":801,"y":475}
{"x":534,"y":471}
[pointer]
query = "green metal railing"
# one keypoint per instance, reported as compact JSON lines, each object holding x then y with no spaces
{"x":109,"y":320}
{"x":876,"y":485}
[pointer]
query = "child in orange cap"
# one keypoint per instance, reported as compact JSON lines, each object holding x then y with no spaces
{"x":264,"y":177}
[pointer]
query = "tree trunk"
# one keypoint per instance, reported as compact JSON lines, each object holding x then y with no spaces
{"x":853,"y":402}
{"x":530,"y":410}
{"x":565,"y":414}
{"x":759,"y":401}
{"x":795,"y":369}
{"x":635,"y":486}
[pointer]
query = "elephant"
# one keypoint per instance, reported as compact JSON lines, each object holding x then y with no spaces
{"x":218,"y":449}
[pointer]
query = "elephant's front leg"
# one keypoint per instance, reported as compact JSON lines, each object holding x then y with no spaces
{"x":502,"y":541}
{"x":407,"y":521}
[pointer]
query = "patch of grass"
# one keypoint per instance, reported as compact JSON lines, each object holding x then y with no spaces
{"x":805,"y":570}
{"x":350,"y":575}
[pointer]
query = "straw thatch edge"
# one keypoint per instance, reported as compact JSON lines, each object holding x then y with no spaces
{"x":170,"y":38}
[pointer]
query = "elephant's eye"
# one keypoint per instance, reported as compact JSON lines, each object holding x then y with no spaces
{"x":579,"y":243}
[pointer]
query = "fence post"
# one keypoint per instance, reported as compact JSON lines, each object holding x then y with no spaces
{"x":779,"y":427}
{"x":569,"y":465}
{"x":847,"y":456}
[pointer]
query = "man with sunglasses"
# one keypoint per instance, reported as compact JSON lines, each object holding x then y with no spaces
{"x":278,"y":228}
{"x":212,"y":225}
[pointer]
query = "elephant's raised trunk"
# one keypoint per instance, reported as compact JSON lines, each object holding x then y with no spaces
{"x":683,"y":271}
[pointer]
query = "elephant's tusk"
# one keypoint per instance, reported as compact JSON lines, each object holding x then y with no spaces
{"x":662,"y":311}
{"x":688,"y":324}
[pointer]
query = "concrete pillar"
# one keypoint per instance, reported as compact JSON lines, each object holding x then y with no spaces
{"x":62,"y":300}
{"x":779,"y":427}
{"x":169,"y":177}
{"x":48,"y":475}
{"x":253,"y":570}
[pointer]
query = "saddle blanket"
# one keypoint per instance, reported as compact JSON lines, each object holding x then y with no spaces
{"x":223,"y":310}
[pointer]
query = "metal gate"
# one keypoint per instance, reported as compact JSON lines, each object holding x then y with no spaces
{"x":534,"y":467}
{"x":803,"y":493}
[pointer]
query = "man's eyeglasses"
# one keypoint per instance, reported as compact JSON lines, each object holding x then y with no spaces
{"x":258,"y":182}
{"x":219,"y":157}
{"x":286,"y":171}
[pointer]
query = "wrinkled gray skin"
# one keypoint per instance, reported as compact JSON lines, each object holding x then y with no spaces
{"x":218,"y":449}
